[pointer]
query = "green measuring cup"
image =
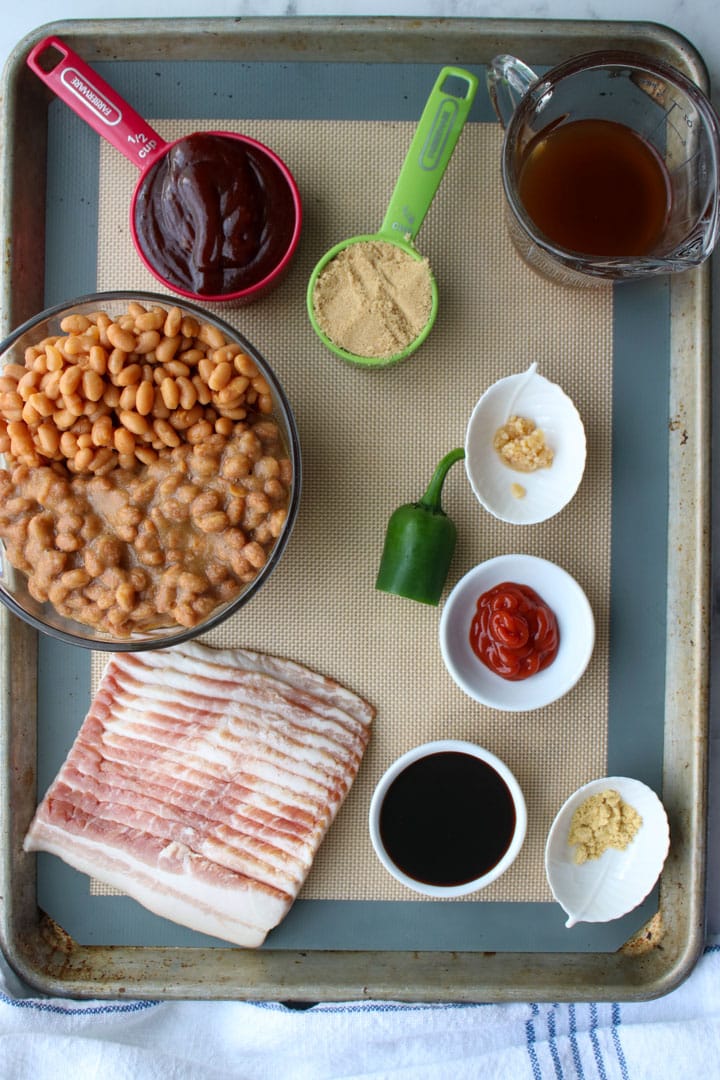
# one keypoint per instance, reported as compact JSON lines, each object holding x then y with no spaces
{"x":433,"y":142}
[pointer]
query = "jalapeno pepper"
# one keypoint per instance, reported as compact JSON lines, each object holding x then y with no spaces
{"x":419,"y":543}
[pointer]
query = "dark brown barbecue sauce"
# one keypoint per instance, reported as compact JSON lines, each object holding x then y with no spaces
{"x":215,"y":215}
{"x":447,"y":819}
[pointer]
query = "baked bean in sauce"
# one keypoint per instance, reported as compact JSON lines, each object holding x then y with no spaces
{"x":130,"y":551}
{"x":147,"y":480}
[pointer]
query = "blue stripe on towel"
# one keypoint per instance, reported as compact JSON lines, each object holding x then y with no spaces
{"x":616,"y":1021}
{"x":82,"y":1010}
{"x":572,"y":1016}
{"x":552,"y":1041}
{"x":596,"y":1042}
{"x":530,"y":1039}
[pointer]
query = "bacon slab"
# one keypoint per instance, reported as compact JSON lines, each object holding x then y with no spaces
{"x":202,"y":782}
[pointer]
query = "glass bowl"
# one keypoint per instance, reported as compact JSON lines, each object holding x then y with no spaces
{"x":14,"y":590}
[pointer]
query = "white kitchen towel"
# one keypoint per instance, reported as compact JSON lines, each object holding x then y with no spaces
{"x":677,"y":1036}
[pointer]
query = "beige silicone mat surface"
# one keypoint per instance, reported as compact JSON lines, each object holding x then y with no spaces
{"x":370,"y":441}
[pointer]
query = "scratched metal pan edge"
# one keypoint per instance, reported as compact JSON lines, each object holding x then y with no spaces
{"x":39,"y":950}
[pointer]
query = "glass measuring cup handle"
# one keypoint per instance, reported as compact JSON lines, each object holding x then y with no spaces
{"x":95,"y":102}
{"x":508,"y":80}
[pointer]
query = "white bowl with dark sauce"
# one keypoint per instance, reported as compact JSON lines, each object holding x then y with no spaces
{"x":447,"y":818}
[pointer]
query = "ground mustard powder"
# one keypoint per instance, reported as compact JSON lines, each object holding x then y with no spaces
{"x":603,"y":821}
{"x":373,"y":299}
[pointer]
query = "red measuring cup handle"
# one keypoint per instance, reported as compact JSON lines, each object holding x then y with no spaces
{"x":95,"y":102}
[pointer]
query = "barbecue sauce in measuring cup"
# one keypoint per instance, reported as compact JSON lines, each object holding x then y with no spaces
{"x":215,"y":215}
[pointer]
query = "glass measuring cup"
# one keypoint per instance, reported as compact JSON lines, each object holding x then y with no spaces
{"x":202,"y":240}
{"x":670,"y":115}
{"x":428,"y":156}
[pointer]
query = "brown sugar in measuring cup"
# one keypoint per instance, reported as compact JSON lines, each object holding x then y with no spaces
{"x":215,"y":216}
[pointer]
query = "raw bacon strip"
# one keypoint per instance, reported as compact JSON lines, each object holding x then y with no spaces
{"x":202,"y":783}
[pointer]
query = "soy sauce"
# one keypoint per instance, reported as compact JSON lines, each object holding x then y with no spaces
{"x":596,"y":187}
{"x":447,"y":819}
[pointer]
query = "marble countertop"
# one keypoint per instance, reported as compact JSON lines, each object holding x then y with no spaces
{"x":697,"y":22}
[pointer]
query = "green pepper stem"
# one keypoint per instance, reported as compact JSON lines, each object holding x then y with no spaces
{"x":431,"y":500}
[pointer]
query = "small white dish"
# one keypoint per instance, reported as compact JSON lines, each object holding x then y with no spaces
{"x":547,"y":490}
{"x":603,"y":889}
{"x":474,"y":830}
{"x":576,"y":627}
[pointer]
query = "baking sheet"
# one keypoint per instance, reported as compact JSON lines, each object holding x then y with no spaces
{"x":322,"y":609}
{"x":674,"y":380}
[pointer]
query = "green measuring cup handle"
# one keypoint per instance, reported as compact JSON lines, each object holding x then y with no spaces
{"x":430,"y":151}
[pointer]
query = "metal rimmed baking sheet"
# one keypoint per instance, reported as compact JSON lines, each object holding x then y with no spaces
{"x":53,"y":959}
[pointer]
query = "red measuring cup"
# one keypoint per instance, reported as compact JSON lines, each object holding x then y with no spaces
{"x":215,"y":216}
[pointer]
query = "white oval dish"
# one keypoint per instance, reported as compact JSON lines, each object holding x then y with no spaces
{"x":448,"y":892}
{"x":547,"y":490}
{"x":603,"y":889}
{"x":576,"y":626}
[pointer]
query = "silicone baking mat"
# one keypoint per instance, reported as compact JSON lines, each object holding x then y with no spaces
{"x":370,"y":441}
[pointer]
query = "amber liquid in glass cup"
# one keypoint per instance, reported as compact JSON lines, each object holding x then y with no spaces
{"x":597,"y":187}
{"x":610,"y":166}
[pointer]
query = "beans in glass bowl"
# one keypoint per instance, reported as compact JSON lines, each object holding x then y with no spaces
{"x":152,"y":470}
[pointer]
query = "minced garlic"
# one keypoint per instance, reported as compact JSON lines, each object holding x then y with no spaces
{"x":522,"y":446}
{"x":603,"y":821}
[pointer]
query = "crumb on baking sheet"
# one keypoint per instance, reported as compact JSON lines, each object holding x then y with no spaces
{"x":603,"y":821}
{"x":648,"y":937}
{"x":522,"y":446}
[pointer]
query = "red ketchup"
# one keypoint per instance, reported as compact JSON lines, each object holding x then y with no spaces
{"x":514,"y":632}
